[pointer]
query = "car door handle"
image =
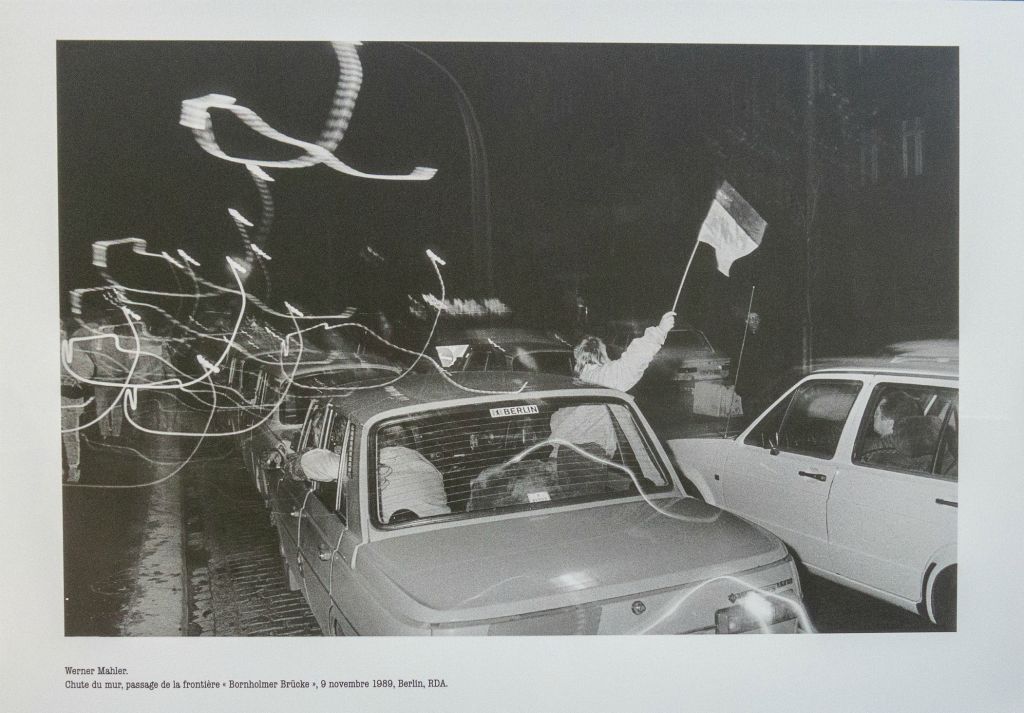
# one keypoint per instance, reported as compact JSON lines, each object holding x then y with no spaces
{"x":950,"y":503}
{"x":816,"y":476}
{"x":324,"y":552}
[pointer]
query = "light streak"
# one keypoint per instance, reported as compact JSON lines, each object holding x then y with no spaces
{"x":66,"y":365}
{"x":239,"y":218}
{"x":797,"y":606}
{"x":434,"y":258}
{"x":259,"y":173}
{"x":195,"y":115}
{"x":136,"y":352}
{"x":556,"y":441}
{"x":220,"y":434}
{"x":236,"y":267}
{"x":158,"y":481}
{"x":171,"y":260}
{"x":207,"y":364}
{"x":188,"y":258}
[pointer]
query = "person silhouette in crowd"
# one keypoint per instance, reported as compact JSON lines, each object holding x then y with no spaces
{"x":73,"y":394}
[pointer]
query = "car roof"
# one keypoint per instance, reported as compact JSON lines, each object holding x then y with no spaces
{"x":526,"y":347}
{"x":937,"y":358}
{"x":511,"y":336}
{"x":934,"y":368}
{"x":377,"y":396}
{"x":328,"y":362}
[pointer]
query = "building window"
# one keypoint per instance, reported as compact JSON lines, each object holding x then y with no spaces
{"x":912,"y":133}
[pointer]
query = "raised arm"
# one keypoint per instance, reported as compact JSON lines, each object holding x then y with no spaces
{"x":627,"y":370}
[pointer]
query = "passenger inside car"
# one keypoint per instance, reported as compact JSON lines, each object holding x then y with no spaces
{"x":407,"y":480}
{"x":893,"y":406}
{"x":912,"y":428}
{"x":506,"y":457}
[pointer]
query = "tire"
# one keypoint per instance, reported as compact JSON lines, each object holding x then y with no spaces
{"x":944,"y":599}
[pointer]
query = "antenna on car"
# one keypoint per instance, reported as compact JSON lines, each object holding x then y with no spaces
{"x":739,"y":362}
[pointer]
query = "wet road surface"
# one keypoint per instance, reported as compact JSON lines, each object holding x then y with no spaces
{"x":237,"y":585}
{"x":102,"y":540}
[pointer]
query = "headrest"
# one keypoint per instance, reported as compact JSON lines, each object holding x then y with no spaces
{"x":917,"y":436}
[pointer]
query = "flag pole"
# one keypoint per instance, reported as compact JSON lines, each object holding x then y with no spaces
{"x":685,"y":273}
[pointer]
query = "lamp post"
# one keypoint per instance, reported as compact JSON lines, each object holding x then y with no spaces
{"x":480,"y":201}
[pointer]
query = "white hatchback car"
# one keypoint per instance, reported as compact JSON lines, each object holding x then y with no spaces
{"x":855,"y":469}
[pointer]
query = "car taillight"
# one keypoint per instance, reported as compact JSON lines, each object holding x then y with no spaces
{"x":571,"y":620}
{"x":754,"y":612}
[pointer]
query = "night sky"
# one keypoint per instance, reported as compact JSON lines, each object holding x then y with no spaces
{"x":579,"y":140}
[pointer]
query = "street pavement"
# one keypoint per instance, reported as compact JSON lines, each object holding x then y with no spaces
{"x":237,"y":585}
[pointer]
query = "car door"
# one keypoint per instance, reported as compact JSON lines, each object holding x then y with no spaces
{"x":250,"y":426}
{"x":781,"y":471}
{"x":320,"y":527}
{"x":891,"y":509}
{"x":291,"y":495}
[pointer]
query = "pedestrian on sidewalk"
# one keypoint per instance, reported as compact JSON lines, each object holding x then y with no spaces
{"x":73,"y":394}
{"x":98,"y":341}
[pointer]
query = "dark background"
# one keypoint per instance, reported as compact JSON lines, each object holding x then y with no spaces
{"x":597,"y":166}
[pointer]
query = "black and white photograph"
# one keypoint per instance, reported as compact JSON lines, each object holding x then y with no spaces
{"x":350,"y":325}
{"x":396,"y":334}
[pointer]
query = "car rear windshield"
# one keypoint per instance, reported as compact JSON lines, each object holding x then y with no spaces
{"x":687,"y":339}
{"x":500,"y":457}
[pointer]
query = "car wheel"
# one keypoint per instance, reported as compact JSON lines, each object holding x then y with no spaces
{"x":944,"y":599}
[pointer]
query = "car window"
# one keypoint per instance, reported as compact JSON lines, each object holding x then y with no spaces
{"x":557,"y":362}
{"x":250,"y":381}
{"x":296,"y":401}
{"x":293,"y":409}
{"x":763,"y":434}
{"x":233,"y":373}
{"x":329,"y":493}
{"x":488,"y":458}
{"x":312,"y":435}
{"x":810,"y":420}
{"x":687,"y":339}
{"x":476,"y":360}
{"x":910,"y":428}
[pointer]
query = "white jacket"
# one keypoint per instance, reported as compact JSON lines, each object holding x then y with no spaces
{"x":591,"y":423}
{"x":405,"y":478}
{"x":624,"y":372}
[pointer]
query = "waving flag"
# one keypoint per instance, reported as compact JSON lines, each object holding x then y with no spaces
{"x":732,"y":227}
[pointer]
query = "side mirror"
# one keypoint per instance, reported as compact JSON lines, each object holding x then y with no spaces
{"x":773,"y":444}
{"x":322,"y":466}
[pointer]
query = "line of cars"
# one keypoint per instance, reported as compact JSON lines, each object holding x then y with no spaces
{"x":526,"y":532}
{"x":533,"y":535}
